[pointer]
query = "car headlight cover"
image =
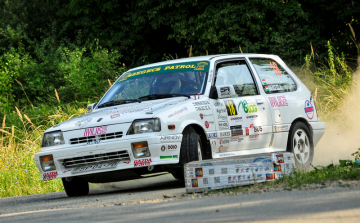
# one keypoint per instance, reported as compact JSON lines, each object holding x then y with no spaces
{"x":53,"y":139}
{"x":145,"y":126}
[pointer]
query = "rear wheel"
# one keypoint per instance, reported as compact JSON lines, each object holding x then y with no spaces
{"x":75,"y":186}
{"x":191,"y":150}
{"x":300,"y":143}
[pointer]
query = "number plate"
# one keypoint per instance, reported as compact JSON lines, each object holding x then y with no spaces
{"x":95,"y":167}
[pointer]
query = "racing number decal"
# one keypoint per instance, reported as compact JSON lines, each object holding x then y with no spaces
{"x":230,"y":107}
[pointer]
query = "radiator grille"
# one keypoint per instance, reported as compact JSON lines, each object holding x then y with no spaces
{"x":94,"y":159}
{"x":87,"y":139}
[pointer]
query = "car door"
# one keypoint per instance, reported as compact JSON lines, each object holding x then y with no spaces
{"x":243,"y":122}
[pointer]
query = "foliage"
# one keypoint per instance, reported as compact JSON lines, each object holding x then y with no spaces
{"x":332,"y":81}
{"x":48,"y":45}
{"x":20,"y":139}
{"x":356,"y":154}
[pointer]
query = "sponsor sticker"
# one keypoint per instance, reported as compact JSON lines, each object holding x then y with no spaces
{"x":236,"y":119}
{"x":281,"y":128}
{"x":169,"y":157}
{"x":247,"y":107}
{"x":93,"y":142}
{"x":198,"y":103}
{"x":218,"y":103}
{"x":280,"y":158}
{"x":253,"y":137}
{"x":223,"y":125}
{"x":226,"y":154}
{"x":309,"y":109}
{"x":115,"y":116}
{"x":222,"y":117}
{"x":220,"y":110}
{"x":224,"y":141}
{"x":83,"y":122}
{"x":224,"y":91}
{"x":225,"y":134}
{"x":171,"y":138}
{"x":180,"y":67}
{"x":257,"y":128}
{"x":199,"y":172}
{"x":237,"y":139}
{"x":236,"y":130}
{"x":278,"y":101}
{"x":212,"y":134}
{"x":206,"y":164}
{"x":230,"y":107}
{"x":270,"y":176}
{"x":277,"y":168}
{"x":251,"y":116}
{"x":172,"y":147}
{"x":50,"y":175}
{"x":259,"y":159}
{"x":95,"y":131}
{"x":202,"y":108}
{"x":177,"y":112}
{"x":142,"y":162}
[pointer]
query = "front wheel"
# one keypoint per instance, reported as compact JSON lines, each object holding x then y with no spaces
{"x":301,"y":144}
{"x":191,"y":150}
{"x":75,"y":186}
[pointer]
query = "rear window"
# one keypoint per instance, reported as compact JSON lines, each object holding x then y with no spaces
{"x":274,"y":78}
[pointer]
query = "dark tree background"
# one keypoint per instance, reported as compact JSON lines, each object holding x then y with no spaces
{"x":41,"y":39}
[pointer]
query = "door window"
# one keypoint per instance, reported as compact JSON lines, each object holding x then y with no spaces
{"x":274,"y":78}
{"x":236,"y":73}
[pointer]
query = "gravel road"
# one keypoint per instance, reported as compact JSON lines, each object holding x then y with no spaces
{"x":143,"y":201}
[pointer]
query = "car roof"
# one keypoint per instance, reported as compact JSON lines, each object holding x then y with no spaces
{"x":205,"y":58}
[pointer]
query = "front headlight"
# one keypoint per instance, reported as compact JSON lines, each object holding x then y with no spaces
{"x":145,"y":126}
{"x":53,"y":139}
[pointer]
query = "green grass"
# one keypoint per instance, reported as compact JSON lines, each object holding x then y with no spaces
{"x":20,"y":138}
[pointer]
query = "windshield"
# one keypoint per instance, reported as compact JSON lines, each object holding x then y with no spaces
{"x":158,"y":82}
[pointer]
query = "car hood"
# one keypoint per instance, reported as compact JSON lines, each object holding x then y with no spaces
{"x":118,"y":114}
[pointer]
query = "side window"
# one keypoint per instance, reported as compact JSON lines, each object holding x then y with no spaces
{"x":236,"y":73}
{"x":273,"y":77}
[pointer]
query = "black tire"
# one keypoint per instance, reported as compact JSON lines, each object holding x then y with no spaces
{"x":301,"y":146}
{"x":75,"y":186}
{"x":188,"y":153}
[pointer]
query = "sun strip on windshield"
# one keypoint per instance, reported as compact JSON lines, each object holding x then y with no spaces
{"x":169,"y":68}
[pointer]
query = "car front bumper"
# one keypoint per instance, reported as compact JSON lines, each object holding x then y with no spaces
{"x":163,"y":149}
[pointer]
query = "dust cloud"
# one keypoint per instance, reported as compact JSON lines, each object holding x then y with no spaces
{"x":342,"y":137}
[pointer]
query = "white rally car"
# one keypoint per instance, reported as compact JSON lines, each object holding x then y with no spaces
{"x":158,"y":117}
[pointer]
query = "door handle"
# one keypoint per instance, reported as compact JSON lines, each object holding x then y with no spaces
{"x":259,"y":101}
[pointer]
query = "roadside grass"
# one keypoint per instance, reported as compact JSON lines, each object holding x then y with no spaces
{"x":20,"y":140}
{"x":346,"y":171}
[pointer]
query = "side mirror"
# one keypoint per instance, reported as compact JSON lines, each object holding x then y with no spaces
{"x":91,"y":107}
{"x":222,"y":91}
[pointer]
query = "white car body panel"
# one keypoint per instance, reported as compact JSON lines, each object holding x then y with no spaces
{"x":274,"y":120}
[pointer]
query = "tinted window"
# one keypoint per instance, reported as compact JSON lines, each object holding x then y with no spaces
{"x":236,"y":73}
{"x":274,"y":78}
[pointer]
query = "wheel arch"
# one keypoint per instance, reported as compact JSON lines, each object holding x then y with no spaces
{"x":195,"y":128}
{"x":303,"y":120}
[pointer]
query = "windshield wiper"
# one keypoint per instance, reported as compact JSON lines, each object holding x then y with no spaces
{"x":156,"y":96}
{"x":118,"y":102}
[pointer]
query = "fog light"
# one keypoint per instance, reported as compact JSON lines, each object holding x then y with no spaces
{"x":47,"y":163}
{"x":140,"y":149}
